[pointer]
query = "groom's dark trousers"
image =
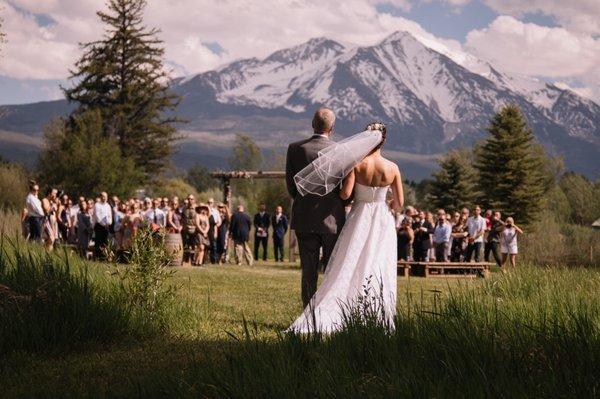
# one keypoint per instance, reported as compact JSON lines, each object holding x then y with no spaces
{"x":316,"y":220}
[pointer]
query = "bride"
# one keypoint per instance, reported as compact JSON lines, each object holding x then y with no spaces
{"x":362,"y":268}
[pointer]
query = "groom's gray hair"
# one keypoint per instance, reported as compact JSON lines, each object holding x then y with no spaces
{"x":323,"y":120}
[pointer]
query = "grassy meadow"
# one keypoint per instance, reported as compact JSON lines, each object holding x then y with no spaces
{"x":534,"y":332}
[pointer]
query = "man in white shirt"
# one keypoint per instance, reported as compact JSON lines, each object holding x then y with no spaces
{"x":476,"y":228}
{"x":441,"y":237}
{"x":35,"y":213}
{"x":154,"y":214}
{"x":102,"y":222}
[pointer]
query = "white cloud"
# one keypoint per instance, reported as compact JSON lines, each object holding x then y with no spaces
{"x":534,"y":50}
{"x":581,"y":16}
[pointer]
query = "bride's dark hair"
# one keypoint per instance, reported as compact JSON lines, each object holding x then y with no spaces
{"x":382,"y":128}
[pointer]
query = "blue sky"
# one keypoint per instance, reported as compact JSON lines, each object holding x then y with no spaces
{"x":560,"y":40}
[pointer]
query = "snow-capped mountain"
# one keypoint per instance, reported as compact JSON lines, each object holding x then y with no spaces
{"x":431,"y":100}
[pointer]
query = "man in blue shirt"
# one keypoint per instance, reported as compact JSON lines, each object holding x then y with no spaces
{"x":441,"y":237}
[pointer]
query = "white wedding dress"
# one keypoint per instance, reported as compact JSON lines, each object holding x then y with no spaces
{"x":362,"y":266}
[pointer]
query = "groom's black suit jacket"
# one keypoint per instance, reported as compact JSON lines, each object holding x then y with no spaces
{"x":312,"y":213}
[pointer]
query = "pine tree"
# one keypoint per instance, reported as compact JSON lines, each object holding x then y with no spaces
{"x":78,"y":158}
{"x":122,"y":75}
{"x":454,"y":186}
{"x":511,"y":167}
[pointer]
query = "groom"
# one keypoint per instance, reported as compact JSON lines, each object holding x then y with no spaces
{"x":316,"y":220}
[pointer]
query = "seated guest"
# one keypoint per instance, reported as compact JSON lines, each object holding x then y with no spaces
{"x":422,"y":242}
{"x":240,"y":232}
{"x":441,"y":237}
{"x":459,"y":237}
{"x":493,"y":239}
{"x":508,"y":242}
{"x":405,"y":235}
{"x":280,"y":226}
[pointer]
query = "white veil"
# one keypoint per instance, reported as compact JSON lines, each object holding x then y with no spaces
{"x":326,"y":172}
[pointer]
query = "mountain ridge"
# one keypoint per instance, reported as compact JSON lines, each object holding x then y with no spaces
{"x":430,"y":101}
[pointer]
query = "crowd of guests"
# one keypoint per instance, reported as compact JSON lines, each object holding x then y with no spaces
{"x":97,"y":225}
{"x":456,"y":237}
{"x":206,"y":229}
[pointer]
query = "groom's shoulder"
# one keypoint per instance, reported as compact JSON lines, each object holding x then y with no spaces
{"x":300,"y":143}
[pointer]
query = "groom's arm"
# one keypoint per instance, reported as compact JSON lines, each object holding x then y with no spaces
{"x":289,"y":175}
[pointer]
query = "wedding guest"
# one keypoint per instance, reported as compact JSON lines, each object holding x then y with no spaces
{"x":203,"y":227}
{"x":174,"y":217}
{"x":441,"y":237}
{"x":50,"y":217}
{"x":64,"y":219}
{"x":240,"y":232}
{"x":223,"y":233}
{"x":459,"y":237}
{"x":102,"y":221}
{"x":508,"y":242}
{"x":409,"y":212}
{"x":190,"y":228}
{"x":431,"y":252}
{"x":164,"y":205}
{"x":422,"y":242}
{"x":492,"y":244}
{"x":84,"y":227}
{"x":280,"y":226}
{"x":153,"y":215}
{"x":24,"y":224}
{"x":119,"y":215}
{"x":405,"y":236}
{"x":261,"y":231}
{"x":131,"y":224}
{"x":35,"y":213}
{"x":488,"y":227}
{"x":476,"y":228}
{"x":215,"y":221}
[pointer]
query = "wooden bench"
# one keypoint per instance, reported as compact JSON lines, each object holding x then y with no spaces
{"x":440,"y":269}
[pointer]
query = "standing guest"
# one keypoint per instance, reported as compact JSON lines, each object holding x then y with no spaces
{"x":261,"y":231}
{"x":488,"y":227}
{"x":174,"y":217}
{"x":24,"y":224}
{"x":131,"y":224}
{"x":102,"y":221}
{"x":35,"y":213}
{"x":64,"y":219}
{"x":215,"y":221}
{"x":84,"y":227}
{"x":441,"y":237}
{"x":153,"y":214}
{"x":164,"y":205}
{"x":405,"y":236}
{"x":114,"y":204}
{"x":459,"y":236}
{"x":50,"y":223}
{"x":493,"y":239}
{"x":476,"y":228}
{"x":421,"y":243}
{"x":240,"y":232}
{"x":409,"y":212}
{"x":119,"y":215}
{"x":190,"y":228}
{"x":203,"y":227}
{"x":431,"y":252}
{"x":280,"y":226}
{"x":508,"y":242}
{"x":223,"y":233}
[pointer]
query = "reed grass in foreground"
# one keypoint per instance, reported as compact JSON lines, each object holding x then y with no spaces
{"x":533,"y":333}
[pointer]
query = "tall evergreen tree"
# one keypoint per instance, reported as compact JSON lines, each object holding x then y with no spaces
{"x":122,"y":76}
{"x":511,"y":167}
{"x":454,"y":186}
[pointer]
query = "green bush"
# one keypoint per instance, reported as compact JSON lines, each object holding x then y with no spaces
{"x":13,"y":186}
{"x":170,"y":188}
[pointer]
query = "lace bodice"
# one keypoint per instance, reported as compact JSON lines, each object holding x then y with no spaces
{"x":370,"y":194}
